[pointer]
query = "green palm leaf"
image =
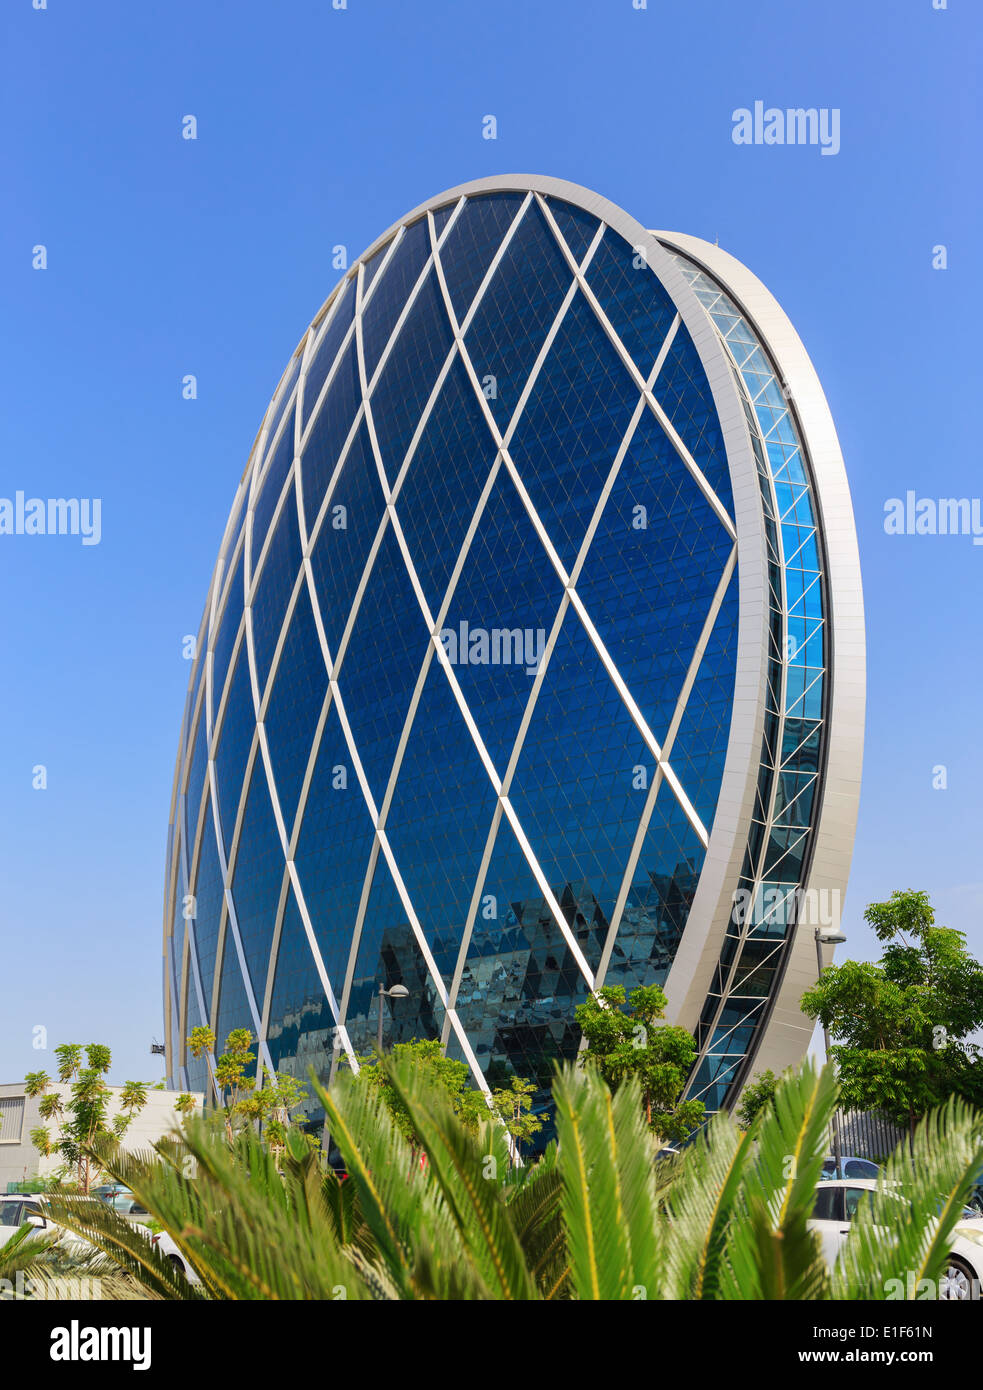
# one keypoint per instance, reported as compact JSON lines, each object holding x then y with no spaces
{"x":535,"y":1209}
{"x":772,"y":1253}
{"x":469,"y":1176}
{"x":703,"y":1200}
{"x":418,"y":1251}
{"x":127,"y":1246}
{"x":899,"y":1240}
{"x":606,"y":1157}
{"x":246,"y":1229}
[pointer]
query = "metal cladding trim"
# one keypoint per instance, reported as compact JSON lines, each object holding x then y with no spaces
{"x":786,"y":1032}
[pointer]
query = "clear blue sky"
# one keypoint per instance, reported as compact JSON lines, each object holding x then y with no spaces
{"x":316,"y":126}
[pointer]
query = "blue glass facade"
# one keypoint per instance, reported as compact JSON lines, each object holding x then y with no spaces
{"x":462,"y":703}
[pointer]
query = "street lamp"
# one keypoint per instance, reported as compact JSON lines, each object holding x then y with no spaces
{"x":397,"y":992}
{"x":827,"y":938}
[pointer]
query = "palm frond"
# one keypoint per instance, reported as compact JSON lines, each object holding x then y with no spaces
{"x":535,"y":1209}
{"x":704,"y":1194}
{"x":899,"y":1240}
{"x":247,"y":1230}
{"x":773,"y":1253}
{"x":128,"y":1246}
{"x":470,"y":1181}
{"x":609,"y":1206}
{"x":397,"y":1196}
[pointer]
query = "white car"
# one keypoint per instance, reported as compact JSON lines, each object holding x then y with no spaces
{"x":16,"y":1208}
{"x":168,"y":1248}
{"x":837,"y":1201}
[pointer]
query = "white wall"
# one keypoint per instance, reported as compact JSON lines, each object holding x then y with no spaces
{"x":19,"y":1159}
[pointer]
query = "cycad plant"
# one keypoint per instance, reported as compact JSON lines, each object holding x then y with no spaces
{"x":39,"y":1265}
{"x":597,"y":1217}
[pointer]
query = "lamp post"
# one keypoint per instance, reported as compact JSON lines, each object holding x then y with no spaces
{"x":827,"y":938}
{"x":397,"y":992}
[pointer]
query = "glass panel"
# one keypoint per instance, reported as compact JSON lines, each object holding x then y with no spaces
{"x":439,"y":818}
{"x":572,"y":426}
{"x":333,"y":850}
{"x":472,"y":243}
{"x":275,"y":586}
{"x":508,"y":596}
{"x":328,"y":348}
{"x":209,"y":897}
{"x":334,"y":421}
{"x":233,"y":1003}
{"x":389,"y":954}
{"x":577,"y":227}
{"x":517,"y":312}
{"x":345,"y":540}
{"x":259,"y":871}
{"x":300,"y":1031}
{"x":577,"y":787}
{"x":295,"y":705}
{"x":409,"y":375}
{"x":235,"y":740}
{"x":444,"y":482}
{"x":388,"y":297}
{"x":633,"y":299}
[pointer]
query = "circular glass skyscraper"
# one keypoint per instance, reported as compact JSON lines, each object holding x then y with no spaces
{"x":533,"y":660}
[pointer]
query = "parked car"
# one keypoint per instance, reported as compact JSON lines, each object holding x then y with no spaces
{"x":975,"y":1198}
{"x":837,"y":1202}
{"x":16,"y":1209}
{"x":852,"y":1167}
{"x":168,"y":1248}
{"x":121,"y":1199}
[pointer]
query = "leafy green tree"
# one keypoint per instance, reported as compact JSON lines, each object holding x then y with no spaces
{"x":201,"y":1040}
{"x":444,"y":1073}
{"x":513,"y":1105}
{"x":243,"y":1101}
{"x":231,"y":1074}
{"x":270,"y":1106}
{"x":81,"y":1119}
{"x":901,"y":1026}
{"x":133,"y":1098}
{"x":632,"y":1043}
{"x":756,"y":1096}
